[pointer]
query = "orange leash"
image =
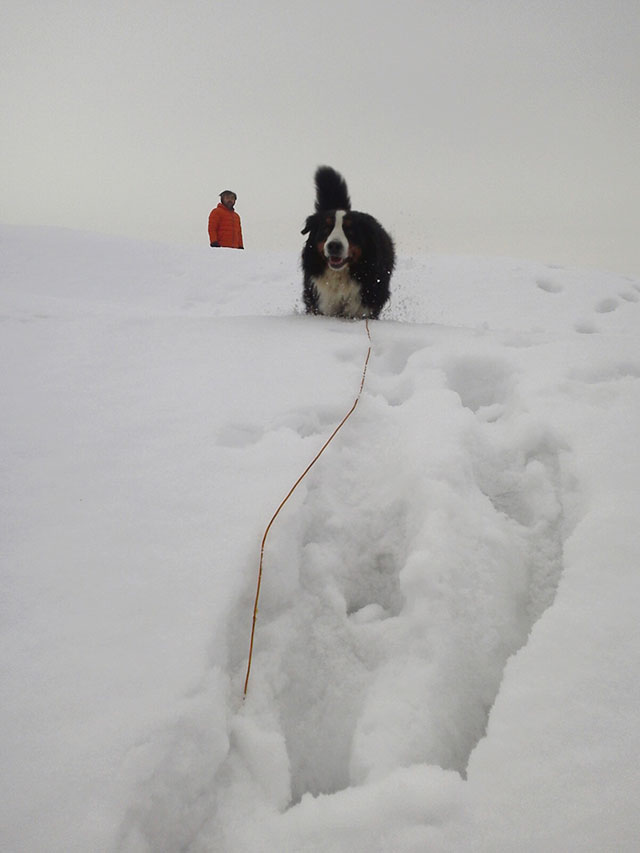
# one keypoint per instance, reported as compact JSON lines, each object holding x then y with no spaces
{"x":291,"y":491}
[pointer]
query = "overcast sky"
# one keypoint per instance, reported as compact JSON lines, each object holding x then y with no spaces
{"x":492,"y":127}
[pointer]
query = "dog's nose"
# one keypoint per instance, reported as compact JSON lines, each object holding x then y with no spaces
{"x":334,"y":247}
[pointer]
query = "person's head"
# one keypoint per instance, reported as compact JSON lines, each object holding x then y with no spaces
{"x":228,"y":199}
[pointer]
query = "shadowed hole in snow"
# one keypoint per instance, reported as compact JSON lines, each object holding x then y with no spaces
{"x":548,"y":285}
{"x":479,"y":380}
{"x":605,"y":306}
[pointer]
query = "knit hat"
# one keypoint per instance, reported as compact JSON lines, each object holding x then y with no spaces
{"x":231,"y":192}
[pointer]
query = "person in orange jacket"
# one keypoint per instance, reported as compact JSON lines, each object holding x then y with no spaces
{"x":225,"y":228}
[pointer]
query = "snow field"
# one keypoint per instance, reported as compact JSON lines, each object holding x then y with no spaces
{"x":447,"y":643}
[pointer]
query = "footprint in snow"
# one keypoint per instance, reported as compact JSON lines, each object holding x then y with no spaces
{"x":585,"y":327}
{"x":481,"y":381}
{"x":548,"y":285}
{"x":605,"y":306}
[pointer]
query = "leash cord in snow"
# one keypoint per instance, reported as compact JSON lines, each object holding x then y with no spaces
{"x":291,"y":491}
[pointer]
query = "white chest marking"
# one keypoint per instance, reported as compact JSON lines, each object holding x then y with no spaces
{"x":339,"y":295}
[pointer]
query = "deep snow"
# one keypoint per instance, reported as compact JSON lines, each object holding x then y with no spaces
{"x":447,"y":649}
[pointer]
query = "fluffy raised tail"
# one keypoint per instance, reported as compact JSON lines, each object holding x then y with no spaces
{"x":331,"y":190}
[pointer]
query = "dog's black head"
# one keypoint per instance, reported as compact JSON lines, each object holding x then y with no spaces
{"x":335,"y":236}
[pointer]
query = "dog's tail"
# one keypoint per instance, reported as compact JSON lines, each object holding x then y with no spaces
{"x":331,"y":190}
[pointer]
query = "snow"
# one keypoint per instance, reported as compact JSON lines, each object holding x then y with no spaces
{"x":447,"y":646}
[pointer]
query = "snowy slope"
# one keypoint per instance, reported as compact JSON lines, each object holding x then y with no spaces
{"x":447,"y":647}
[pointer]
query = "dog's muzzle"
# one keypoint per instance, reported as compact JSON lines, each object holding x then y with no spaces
{"x":336,"y":254}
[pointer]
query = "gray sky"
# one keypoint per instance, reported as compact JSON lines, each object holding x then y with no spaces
{"x":492,"y":127}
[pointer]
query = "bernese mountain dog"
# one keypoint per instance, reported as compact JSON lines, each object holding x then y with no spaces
{"x":348,"y":258}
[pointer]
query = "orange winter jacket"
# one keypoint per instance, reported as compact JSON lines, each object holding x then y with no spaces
{"x":225,"y":227}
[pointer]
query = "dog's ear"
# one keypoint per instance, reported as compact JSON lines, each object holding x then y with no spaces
{"x":311,"y":221}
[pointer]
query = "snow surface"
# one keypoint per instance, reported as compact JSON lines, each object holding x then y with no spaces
{"x":448,"y":645}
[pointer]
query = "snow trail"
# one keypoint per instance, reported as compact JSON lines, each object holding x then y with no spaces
{"x":412,"y":561}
